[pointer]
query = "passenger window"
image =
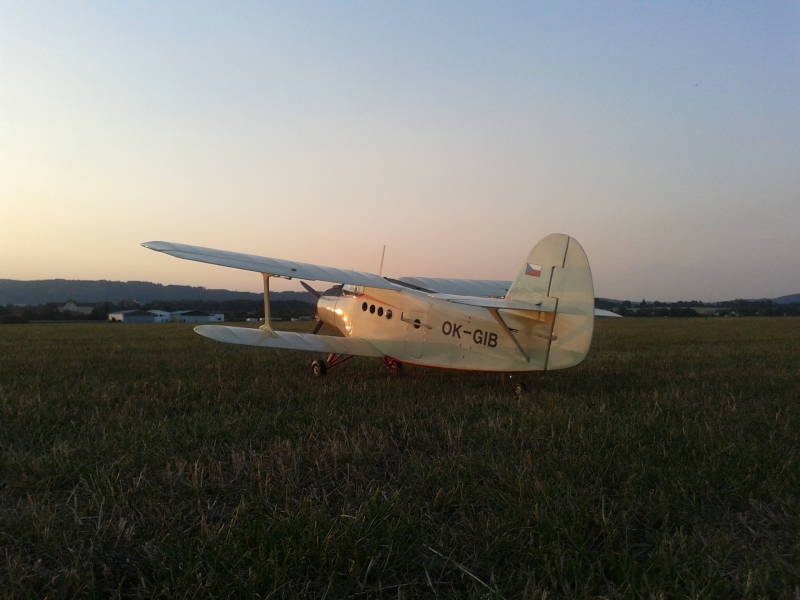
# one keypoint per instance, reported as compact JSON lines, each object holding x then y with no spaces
{"x":380,"y":311}
{"x":364,"y":307}
{"x":372,"y":309}
{"x":388,"y":313}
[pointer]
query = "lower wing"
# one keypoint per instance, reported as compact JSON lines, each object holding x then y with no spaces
{"x":286,"y":340}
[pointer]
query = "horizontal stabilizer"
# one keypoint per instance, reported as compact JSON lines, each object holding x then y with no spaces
{"x":286,"y":340}
{"x":272,"y":266}
{"x":599,"y":312}
{"x":457,"y":287}
{"x":542,"y":305}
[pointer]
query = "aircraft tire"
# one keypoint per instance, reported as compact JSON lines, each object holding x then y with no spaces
{"x":395,"y":368}
{"x":318,"y":368}
{"x":520,"y":389}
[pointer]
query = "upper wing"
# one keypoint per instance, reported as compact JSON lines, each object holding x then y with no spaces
{"x":457,"y":287}
{"x":286,"y":340}
{"x":273,"y":266}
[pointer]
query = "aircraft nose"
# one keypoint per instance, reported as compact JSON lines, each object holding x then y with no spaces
{"x":326,"y":309}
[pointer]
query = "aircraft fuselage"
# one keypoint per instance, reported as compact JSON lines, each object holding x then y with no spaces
{"x":412,"y":327}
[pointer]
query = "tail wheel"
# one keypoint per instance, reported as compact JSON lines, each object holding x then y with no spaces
{"x":318,"y":368}
{"x":520,"y":389}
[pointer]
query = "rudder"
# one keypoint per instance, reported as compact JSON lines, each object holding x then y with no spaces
{"x":557,"y":272}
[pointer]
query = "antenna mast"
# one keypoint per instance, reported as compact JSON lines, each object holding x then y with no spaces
{"x":380,"y":270}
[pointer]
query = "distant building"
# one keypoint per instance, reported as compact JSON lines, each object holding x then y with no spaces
{"x":196,"y":316}
{"x":132,"y":316}
{"x":74,"y":307}
{"x":162,"y":316}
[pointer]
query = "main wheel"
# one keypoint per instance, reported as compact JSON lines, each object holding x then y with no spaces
{"x":395,"y":368}
{"x":520,"y":389}
{"x":318,"y":368}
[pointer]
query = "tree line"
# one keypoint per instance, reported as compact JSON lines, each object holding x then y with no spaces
{"x":234,"y":310}
{"x":686,"y":309}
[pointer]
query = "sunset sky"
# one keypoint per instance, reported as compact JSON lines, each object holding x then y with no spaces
{"x":665,"y":137}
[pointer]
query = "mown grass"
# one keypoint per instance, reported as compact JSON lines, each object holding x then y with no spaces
{"x":143,"y":461}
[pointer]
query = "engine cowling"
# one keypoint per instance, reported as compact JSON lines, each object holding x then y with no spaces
{"x":326,"y":307}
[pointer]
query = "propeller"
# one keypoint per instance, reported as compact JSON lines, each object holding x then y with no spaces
{"x":310,"y":289}
{"x":318,"y":295}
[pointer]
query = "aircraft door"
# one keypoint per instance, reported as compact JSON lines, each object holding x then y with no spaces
{"x":415,"y":332}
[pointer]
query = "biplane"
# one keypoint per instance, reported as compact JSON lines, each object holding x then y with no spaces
{"x":541,"y":321}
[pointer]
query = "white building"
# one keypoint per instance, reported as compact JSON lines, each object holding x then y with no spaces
{"x":162,"y":316}
{"x":74,"y":307}
{"x":196,"y":316}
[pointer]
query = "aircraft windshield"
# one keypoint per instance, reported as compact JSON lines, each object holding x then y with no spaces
{"x":356,"y":290}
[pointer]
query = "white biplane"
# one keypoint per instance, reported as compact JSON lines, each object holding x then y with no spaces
{"x":542,"y":321}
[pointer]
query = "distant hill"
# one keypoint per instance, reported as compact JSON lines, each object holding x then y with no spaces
{"x":790,"y":299}
{"x":60,"y":290}
{"x":44,"y":291}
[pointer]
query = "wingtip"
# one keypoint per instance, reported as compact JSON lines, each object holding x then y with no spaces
{"x":157,"y":246}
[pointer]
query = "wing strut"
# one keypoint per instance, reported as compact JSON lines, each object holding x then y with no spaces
{"x":266,"y":325}
{"x":499,"y":319}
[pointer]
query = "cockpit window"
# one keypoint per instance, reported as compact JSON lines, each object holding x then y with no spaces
{"x":355,"y":290}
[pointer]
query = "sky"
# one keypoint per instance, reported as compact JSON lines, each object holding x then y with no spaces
{"x":664,"y":137}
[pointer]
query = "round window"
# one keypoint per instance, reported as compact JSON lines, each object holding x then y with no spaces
{"x":364,"y":307}
{"x":380,"y":311}
{"x":388,"y":313}
{"x":372,"y":309}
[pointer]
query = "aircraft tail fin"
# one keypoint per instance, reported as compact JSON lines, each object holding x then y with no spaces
{"x":557,"y":269}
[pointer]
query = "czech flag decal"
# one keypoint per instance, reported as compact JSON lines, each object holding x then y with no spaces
{"x":533,"y":270}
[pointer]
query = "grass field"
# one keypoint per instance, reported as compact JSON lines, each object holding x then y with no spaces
{"x":144,"y":460}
